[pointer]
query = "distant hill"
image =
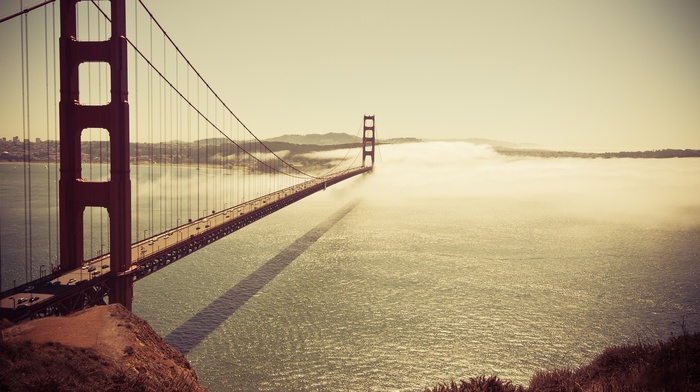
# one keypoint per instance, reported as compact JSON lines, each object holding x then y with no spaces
{"x":492,"y":143}
{"x":333,"y":139}
{"x":327,"y":139}
{"x":656,"y":154}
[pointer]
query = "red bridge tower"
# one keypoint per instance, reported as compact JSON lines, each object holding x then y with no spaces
{"x":368,"y":140}
{"x":76,"y":193}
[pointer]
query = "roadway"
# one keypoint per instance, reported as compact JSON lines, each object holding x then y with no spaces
{"x":33,"y":294}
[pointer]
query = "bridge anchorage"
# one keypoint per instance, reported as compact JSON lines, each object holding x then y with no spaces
{"x":79,"y":281}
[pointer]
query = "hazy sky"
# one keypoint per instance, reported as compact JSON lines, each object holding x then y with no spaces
{"x":579,"y":74}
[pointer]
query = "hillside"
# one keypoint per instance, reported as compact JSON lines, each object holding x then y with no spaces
{"x":333,"y":139}
{"x":671,"y":365}
{"x":656,"y":154}
{"x":204,"y":151}
{"x":105,"y":348}
{"x":326,"y":139}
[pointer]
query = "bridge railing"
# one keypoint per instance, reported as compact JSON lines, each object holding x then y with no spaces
{"x":62,"y":292}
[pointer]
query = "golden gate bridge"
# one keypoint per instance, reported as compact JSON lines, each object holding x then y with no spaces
{"x":141,"y":163}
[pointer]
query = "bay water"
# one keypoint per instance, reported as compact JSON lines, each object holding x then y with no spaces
{"x":448,"y":261}
{"x":455,"y":262}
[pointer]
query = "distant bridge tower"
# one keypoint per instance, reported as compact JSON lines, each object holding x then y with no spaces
{"x":368,"y":140}
{"x":75,"y":193}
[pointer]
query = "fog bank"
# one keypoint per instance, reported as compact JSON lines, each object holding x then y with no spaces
{"x":652,"y":190}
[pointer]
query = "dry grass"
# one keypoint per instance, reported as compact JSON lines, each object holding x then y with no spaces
{"x":672,"y":365}
{"x":54,"y":367}
{"x":479,"y":384}
{"x":146,"y":363}
{"x":105,"y":348}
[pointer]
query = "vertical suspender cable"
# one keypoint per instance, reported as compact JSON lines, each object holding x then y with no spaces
{"x":214,"y":168}
{"x":189,"y":149}
{"x":29,"y":151}
{"x":165,"y":129}
{"x":164,"y":147}
{"x":206,"y":157}
{"x":172,"y":142}
{"x":25,"y":109}
{"x":150,"y":139}
{"x":177,"y":144}
{"x":56,"y":162}
{"x":161,"y":178}
{"x":89,"y":134}
{"x":24,"y":139}
{"x":199,"y":149}
{"x":222,"y":165}
{"x":99,"y":141}
{"x":137,"y":168}
{"x":237,"y":168}
{"x":48,"y":134}
{"x":241,"y":165}
{"x":1,"y":290}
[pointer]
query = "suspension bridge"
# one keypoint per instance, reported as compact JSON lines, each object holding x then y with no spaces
{"x":141,"y":162}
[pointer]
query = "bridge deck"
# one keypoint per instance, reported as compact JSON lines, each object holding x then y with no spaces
{"x":48,"y":294}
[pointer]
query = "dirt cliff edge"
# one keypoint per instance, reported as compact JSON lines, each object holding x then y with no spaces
{"x":103,"y":348}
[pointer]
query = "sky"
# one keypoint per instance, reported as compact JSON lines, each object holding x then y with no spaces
{"x":588,"y":75}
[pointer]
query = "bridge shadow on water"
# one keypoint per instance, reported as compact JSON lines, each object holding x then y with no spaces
{"x":188,"y":335}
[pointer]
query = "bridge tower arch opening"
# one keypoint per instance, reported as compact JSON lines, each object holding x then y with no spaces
{"x":368,"y":140}
{"x":75,"y":192}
